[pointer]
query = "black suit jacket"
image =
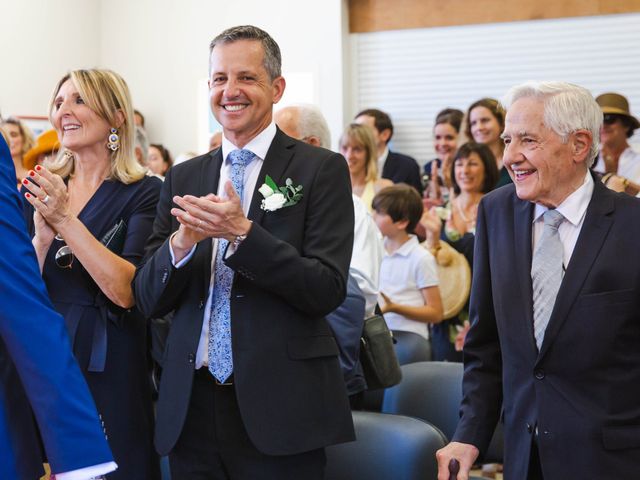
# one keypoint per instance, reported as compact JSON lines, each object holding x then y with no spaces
{"x":291,"y":271}
{"x":582,"y":390}
{"x":401,"y":168}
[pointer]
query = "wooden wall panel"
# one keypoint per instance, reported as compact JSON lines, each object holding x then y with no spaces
{"x":379,"y":15}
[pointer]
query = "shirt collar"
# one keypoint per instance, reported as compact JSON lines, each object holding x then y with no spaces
{"x":259,"y":144}
{"x":383,"y":158}
{"x":406,"y":247}
{"x":574,"y":206}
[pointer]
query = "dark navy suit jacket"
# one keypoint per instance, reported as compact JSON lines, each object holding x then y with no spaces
{"x":290,"y":272}
{"x":401,"y":168}
{"x":35,"y":352}
{"x":581,"y":392}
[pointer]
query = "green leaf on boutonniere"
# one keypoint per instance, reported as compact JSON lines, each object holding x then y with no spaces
{"x":269,"y":181}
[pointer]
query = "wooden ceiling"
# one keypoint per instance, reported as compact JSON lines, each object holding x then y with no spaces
{"x":378,"y":15}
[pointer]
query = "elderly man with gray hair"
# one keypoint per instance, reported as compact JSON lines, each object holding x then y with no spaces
{"x":555,"y":306}
{"x":304,"y":122}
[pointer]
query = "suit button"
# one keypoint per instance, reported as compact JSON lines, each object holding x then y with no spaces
{"x":539,"y":374}
{"x":192,"y":358}
{"x":201,"y":305}
{"x":529,"y":428}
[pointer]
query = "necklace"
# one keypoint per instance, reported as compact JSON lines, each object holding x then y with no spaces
{"x":474,"y":209}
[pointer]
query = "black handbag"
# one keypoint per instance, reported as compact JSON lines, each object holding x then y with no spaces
{"x":115,"y":237}
{"x":378,"y":355}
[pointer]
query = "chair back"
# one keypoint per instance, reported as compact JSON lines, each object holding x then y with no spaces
{"x":386,"y":446}
{"x":429,"y":390}
{"x":432,"y":391}
{"x":411,"y":347}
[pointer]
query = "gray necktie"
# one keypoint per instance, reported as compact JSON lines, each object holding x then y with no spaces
{"x":546,"y":273}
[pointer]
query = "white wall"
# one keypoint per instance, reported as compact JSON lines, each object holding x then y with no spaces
{"x":41,"y":40}
{"x":161,"y":49}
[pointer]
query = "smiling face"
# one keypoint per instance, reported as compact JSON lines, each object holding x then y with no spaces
{"x":485,"y":127}
{"x":469,"y":173}
{"x":356,"y":155}
{"x":445,"y":141}
{"x":544,"y":169}
{"x":241,"y":92}
{"x":77,"y":125}
{"x":613,"y":132}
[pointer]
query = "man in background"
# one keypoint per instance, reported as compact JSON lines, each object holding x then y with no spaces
{"x":396,"y":167}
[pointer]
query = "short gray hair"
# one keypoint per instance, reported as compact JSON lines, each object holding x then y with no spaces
{"x":313,"y":124}
{"x":272,"y":58}
{"x":567,"y":108}
{"x":142,"y":142}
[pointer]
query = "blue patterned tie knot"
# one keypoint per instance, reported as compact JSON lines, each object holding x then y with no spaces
{"x":546,"y":273}
{"x":220,"y":354}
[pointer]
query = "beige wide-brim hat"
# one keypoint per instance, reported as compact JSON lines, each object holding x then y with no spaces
{"x":618,"y":105}
{"x":454,"y":276}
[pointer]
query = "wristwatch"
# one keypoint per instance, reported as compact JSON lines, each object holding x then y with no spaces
{"x":238,"y":240}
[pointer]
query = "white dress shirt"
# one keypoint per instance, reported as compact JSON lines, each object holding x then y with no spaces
{"x":628,"y":165}
{"x":259,"y":145}
{"x":573,"y":209}
{"x":367,"y":255}
{"x":381,"y":160}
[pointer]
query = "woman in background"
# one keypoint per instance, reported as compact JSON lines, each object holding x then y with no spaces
{"x":445,"y":140}
{"x":358,"y":147}
{"x":90,"y":213}
{"x":485,"y":124}
{"x":159,"y":159}
{"x":473,"y":173}
{"x":20,"y":142}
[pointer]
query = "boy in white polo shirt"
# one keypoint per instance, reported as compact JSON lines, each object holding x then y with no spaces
{"x":408,"y":275}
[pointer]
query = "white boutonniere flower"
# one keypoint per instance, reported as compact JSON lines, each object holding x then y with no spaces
{"x":276,"y":197}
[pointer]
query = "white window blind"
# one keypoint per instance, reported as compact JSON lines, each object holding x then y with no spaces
{"x":413,"y":74}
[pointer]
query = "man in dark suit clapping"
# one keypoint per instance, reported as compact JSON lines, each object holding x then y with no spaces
{"x":251,"y":249}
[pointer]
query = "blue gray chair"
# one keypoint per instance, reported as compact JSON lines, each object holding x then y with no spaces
{"x":410,"y":348}
{"x":432,"y":391}
{"x":387,"y":447}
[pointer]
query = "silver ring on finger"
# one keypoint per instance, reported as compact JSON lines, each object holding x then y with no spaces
{"x":45,"y":200}
{"x":199,"y":223}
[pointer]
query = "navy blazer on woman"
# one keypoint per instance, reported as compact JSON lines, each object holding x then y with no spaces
{"x":581,"y":393}
{"x":34,"y":338}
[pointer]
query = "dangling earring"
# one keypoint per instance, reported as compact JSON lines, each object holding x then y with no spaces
{"x":114,"y":140}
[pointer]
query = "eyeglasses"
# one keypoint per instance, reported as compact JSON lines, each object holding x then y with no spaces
{"x":610,"y":118}
{"x":64,"y":255}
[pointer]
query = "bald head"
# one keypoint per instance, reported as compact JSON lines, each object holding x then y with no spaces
{"x":288,"y":119}
{"x":305,"y":123}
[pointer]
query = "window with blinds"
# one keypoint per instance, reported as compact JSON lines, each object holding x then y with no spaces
{"x":413,"y":74}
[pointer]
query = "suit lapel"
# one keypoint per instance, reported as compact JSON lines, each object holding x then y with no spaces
{"x":275,"y":164}
{"x":523,"y":212}
{"x":208,"y":183}
{"x":594,"y":231}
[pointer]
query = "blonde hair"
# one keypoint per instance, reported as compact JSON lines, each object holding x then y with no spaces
{"x":106,"y":93}
{"x":362,"y":134}
{"x":28,"y":140}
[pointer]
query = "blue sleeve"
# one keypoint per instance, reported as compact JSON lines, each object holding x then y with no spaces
{"x":37,"y":341}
